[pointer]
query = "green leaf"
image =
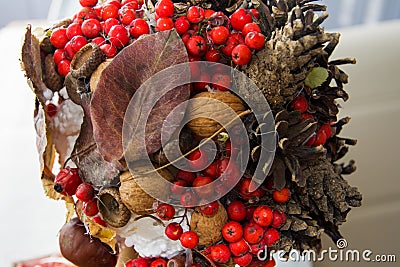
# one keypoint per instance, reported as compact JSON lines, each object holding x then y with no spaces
{"x":316,"y":77}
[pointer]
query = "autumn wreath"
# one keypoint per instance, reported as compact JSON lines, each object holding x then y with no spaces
{"x":191,"y":133}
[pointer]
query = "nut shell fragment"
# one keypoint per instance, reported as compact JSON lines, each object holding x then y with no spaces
{"x":111,"y":207}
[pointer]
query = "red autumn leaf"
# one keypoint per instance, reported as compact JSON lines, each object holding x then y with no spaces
{"x":121,"y":79}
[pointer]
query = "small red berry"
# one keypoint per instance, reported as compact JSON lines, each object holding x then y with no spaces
{"x":164,"y":8}
{"x":212,"y":55}
{"x":165,"y":211}
{"x":220,"y":253}
{"x":59,"y":38}
{"x":51,"y":110}
{"x":299,"y":103}
{"x":189,"y":239}
{"x":236,"y":211}
{"x":239,"y":248}
{"x":158,"y":263}
{"x":241,"y":55}
{"x":186,"y":176}
{"x":99,"y":40}
{"x":119,"y":36}
{"x":253,"y":233}
{"x":255,"y":40}
{"x":211,"y":170}
{"x":219,"y":34}
{"x":90,"y":208}
{"x":195,"y":14}
{"x":320,"y":138}
{"x":178,"y":187}
{"x":232,"y":231}
{"x":188,"y":199}
{"x":77,"y":42}
{"x":109,"y":11}
{"x":58,"y":55}
{"x":64,"y":67}
{"x":164,"y":24}
{"x":74,"y":29}
{"x":311,"y":140}
{"x":202,"y":186}
{"x":182,"y":25}
{"x":210,"y":208}
{"x":84,"y":192}
{"x":263,"y":216}
{"x":106,"y":27}
{"x":139,"y":27}
{"x":109,"y":50}
{"x":139,"y":262}
{"x":270,"y":263}
{"x":279,"y":219}
{"x":327,"y":129}
{"x":307,"y":116}
{"x":281,"y":196}
{"x":173,"y":231}
{"x":243,"y":260}
{"x":221,"y":81}
{"x":196,"y":45}
{"x":198,"y":160}
{"x":126,"y":15}
{"x":88,"y":3}
{"x":256,"y":248}
{"x":271,"y":236}
{"x":91,"y":28}
{"x":99,"y":220}
{"x":250,"y":27}
{"x":240,"y":18}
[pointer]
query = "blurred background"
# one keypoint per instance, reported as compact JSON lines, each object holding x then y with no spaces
{"x":370,"y":29}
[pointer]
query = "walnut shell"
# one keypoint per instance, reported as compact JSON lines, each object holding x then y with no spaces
{"x":208,"y":228}
{"x":203,"y":113}
{"x":133,"y":196}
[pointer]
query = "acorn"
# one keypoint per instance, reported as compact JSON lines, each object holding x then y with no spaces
{"x":86,"y":60}
{"x":132,"y":194}
{"x":111,"y":207}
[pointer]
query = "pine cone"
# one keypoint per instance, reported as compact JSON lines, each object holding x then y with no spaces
{"x":280,"y":69}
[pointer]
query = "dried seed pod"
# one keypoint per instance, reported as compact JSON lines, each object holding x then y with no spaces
{"x":86,"y":60}
{"x":208,"y":228}
{"x":111,"y":207}
{"x":46,"y":45}
{"x":133,"y":195}
{"x":52,"y":79}
{"x":203,"y":113}
{"x":74,"y":88}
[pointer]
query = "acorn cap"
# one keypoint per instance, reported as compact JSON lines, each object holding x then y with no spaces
{"x":111,"y":207}
{"x":208,"y":228}
{"x":86,"y":60}
{"x":74,"y":88}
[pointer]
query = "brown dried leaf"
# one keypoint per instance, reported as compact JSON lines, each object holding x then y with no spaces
{"x":120,"y":80}
{"x":92,"y":166}
{"x":31,"y":63}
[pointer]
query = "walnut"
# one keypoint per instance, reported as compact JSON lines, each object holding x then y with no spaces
{"x":133,"y":196}
{"x":203,"y":113}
